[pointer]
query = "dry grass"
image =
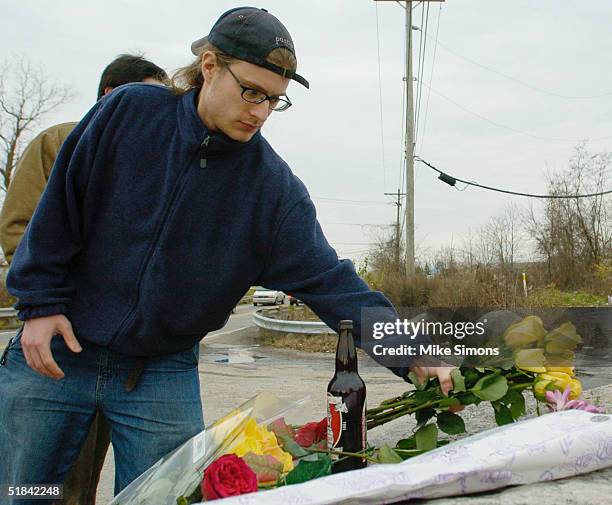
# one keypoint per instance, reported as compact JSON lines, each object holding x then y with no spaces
{"x":299,"y":341}
{"x":302,"y":342}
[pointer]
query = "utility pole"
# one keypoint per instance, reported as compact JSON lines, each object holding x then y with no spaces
{"x":409,"y":140}
{"x":409,"y":146}
{"x":398,"y":204}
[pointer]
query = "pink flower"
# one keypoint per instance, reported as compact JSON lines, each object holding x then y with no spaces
{"x":557,"y":402}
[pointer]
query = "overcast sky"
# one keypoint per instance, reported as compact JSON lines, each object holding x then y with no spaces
{"x":331,"y":137}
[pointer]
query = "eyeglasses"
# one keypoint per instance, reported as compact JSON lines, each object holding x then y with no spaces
{"x":277,"y":103}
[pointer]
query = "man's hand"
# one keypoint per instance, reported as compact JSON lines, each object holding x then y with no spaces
{"x":443,"y":373}
{"x":36,"y":343}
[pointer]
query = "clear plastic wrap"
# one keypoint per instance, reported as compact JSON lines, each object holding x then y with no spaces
{"x":180,"y":472}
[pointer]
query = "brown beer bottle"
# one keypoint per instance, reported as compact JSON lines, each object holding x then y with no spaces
{"x":346,"y":405}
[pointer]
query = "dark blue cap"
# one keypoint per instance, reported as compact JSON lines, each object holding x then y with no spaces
{"x":250,"y":34}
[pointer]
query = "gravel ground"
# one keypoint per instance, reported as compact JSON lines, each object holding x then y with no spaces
{"x":295,"y":374}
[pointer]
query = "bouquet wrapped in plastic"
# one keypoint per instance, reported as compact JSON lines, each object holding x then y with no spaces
{"x":177,"y":475}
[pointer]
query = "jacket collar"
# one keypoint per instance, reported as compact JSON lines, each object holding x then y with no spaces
{"x":193,"y":129}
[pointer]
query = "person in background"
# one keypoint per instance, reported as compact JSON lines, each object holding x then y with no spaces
{"x":24,"y":192}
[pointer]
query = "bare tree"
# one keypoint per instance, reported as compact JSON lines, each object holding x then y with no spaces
{"x":501,"y":238}
{"x":574,"y":235}
{"x":26,"y":96}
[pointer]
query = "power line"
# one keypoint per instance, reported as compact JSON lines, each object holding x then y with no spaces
{"x":347,"y":253}
{"x":451,"y":180}
{"x":509,"y":128}
{"x":351,"y":243}
{"x":357,"y":224}
{"x":523,"y":83}
{"x":420,"y":60}
{"x":433,"y":64}
{"x":421,"y":74}
{"x":380,"y":101}
{"x":339,"y":200}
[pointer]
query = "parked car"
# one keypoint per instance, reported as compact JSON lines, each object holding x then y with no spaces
{"x":264,"y":296}
{"x":294,"y":301}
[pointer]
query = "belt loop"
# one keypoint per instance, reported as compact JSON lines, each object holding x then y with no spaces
{"x":135,"y":373}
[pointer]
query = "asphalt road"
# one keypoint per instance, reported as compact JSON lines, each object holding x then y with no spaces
{"x":241,"y":320}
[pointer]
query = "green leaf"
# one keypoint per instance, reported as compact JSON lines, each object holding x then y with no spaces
{"x":415,"y":380}
{"x":518,"y":409}
{"x":451,"y":423}
{"x":447,"y":402}
{"x":470,"y":376}
{"x":425,"y":396}
{"x":266,"y":467}
{"x":194,"y":497}
{"x":408,"y":453}
{"x":386,"y":455}
{"x":321,"y":445}
{"x":281,"y":428}
{"x":503,"y":415}
{"x":468,"y":399}
{"x":491,"y":387}
{"x":426,"y":437}
{"x":406,"y":443}
{"x":481,"y":369}
{"x":483,"y":381}
{"x":516,"y":402}
{"x":424,"y":415}
{"x":458,"y":380}
{"x":292,"y":447}
{"x":308,"y":470}
{"x":510,"y":396}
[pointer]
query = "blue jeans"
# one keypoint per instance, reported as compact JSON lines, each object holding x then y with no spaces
{"x":43,"y":421}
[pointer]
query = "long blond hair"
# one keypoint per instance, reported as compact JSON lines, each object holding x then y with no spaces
{"x":187,"y":78}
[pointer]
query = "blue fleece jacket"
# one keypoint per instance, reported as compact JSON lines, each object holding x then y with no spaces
{"x":151,"y":229}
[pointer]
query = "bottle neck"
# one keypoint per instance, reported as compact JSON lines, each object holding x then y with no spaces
{"x":346,"y":355}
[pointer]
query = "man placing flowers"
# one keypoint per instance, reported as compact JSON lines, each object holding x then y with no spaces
{"x":163,"y":207}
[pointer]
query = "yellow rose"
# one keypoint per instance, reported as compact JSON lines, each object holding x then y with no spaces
{"x":258,"y":440}
{"x":563,"y":359}
{"x":559,"y":381}
{"x":531,"y":360}
{"x":284,"y":457}
{"x":562,"y":339}
{"x":569,"y":370}
{"x":525,"y":332}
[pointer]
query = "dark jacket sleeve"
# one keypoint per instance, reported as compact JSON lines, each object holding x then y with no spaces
{"x":303,"y":264}
{"x":39,"y":274}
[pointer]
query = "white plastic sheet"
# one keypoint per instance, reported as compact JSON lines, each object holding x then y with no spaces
{"x":553,"y":446}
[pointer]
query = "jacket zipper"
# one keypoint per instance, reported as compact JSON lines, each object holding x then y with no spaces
{"x":204,"y":152}
{"x":175,"y":193}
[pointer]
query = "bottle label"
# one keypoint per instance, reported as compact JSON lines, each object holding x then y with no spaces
{"x":336,"y":423}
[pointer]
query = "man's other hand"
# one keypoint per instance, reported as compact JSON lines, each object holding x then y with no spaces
{"x":36,"y":343}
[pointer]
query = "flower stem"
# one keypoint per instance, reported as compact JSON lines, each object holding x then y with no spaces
{"x":387,"y":406}
{"x":375,"y":421}
{"x":344,"y":453}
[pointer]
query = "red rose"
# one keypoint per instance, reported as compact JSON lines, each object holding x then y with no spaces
{"x":311,"y":433}
{"x":228,"y":476}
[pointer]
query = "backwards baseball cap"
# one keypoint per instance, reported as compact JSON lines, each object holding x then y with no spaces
{"x":250,"y":34}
